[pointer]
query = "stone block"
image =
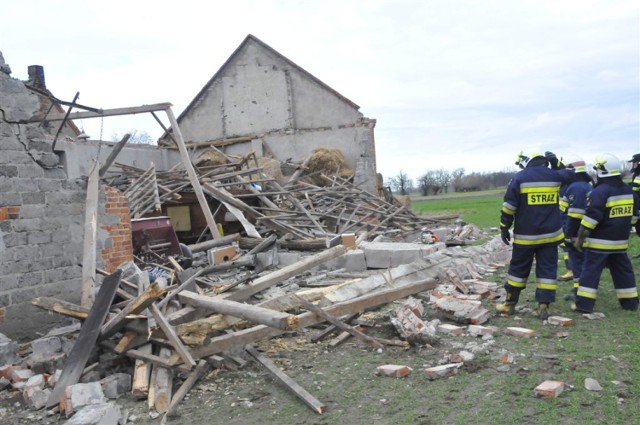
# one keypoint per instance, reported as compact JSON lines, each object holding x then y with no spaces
{"x":4,"y":383}
{"x":288,"y":258}
{"x":517,"y":331}
{"x":97,"y":414}
{"x":549,"y":389}
{"x":560,"y":321}
{"x":7,"y":370}
{"x":80,"y":395}
{"x":396,"y":371}
{"x":115,"y":385}
{"x":448,"y":329}
{"x":36,"y":398}
{"x":21,"y":375}
{"x":8,"y":348}
{"x":442,"y":371}
{"x":53,"y":379}
{"x":46,"y":345}
{"x":478,"y":330}
{"x":382,"y":255}
{"x":37,"y":381}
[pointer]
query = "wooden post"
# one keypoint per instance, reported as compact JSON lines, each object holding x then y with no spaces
{"x":89,"y":247}
{"x":293,"y":386}
{"x":253,"y":313}
{"x":193,"y":178}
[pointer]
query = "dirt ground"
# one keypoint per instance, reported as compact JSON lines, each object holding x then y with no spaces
{"x":342,"y":378}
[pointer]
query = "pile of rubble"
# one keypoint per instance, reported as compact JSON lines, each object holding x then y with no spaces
{"x":308,"y":249}
{"x":177,"y":329}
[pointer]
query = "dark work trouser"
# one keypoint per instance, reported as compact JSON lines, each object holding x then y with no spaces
{"x":577,"y":263}
{"x":546,"y":257}
{"x":621,"y":273}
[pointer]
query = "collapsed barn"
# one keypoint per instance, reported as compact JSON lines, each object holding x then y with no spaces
{"x":249,"y":210}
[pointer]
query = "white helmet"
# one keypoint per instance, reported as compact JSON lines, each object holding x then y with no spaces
{"x":524,"y":158}
{"x":576,"y":163}
{"x":607,"y":165}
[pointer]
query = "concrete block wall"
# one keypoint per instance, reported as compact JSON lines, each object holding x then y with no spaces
{"x":42,"y":219}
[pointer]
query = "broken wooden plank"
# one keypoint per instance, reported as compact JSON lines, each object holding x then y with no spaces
{"x":213,"y":243}
{"x":193,"y":177}
{"x":141,"y":375}
{"x":339,"y":324}
{"x":331,"y":328}
{"x":171,"y":336}
{"x":114,"y":153}
{"x":256,"y":333}
{"x":135,"y":306}
{"x":252,"y":313}
{"x":194,"y":376}
{"x":293,"y":386}
{"x":89,"y":243}
{"x":89,"y":332}
{"x":284,"y":273}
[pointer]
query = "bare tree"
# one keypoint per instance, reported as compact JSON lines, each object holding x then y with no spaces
{"x":142,"y":138}
{"x":443,"y":179}
{"x":456,"y":177}
{"x":401,"y":183}
{"x":428,"y":182}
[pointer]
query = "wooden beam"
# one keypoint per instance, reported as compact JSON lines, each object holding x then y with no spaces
{"x":114,"y":153}
{"x":171,"y":336}
{"x":252,"y":313}
{"x":104,"y":113}
{"x":339,"y":324}
{"x":200,"y":370}
{"x":285,"y":273}
{"x":89,"y":245}
{"x":136,"y":305}
{"x":291,"y":385}
{"x":206,"y":245}
{"x":193,"y":178}
{"x":89,"y":332}
{"x":256,"y":333}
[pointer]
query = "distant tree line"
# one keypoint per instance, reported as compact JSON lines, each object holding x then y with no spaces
{"x":434,"y":182}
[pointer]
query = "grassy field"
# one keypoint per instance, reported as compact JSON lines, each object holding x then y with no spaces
{"x":479,"y":208}
{"x":607,"y":350}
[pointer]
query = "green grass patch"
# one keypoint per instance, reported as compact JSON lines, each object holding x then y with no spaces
{"x":481,"y":210}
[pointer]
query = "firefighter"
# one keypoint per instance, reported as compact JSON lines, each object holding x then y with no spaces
{"x":635,"y":172}
{"x":575,"y":197}
{"x":603,"y":236}
{"x":563,"y":204}
{"x":531,"y":201}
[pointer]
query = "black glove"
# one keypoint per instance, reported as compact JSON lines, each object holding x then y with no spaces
{"x":553,"y":160}
{"x":505,"y":235}
{"x":638,"y":228}
{"x":568,"y":243}
{"x":583,"y":233}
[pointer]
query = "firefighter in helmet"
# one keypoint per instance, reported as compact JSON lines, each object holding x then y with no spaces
{"x":575,"y":197}
{"x":531,"y":206}
{"x":603,"y":236}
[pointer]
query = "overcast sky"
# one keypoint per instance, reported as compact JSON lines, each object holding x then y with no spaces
{"x":451,"y":83}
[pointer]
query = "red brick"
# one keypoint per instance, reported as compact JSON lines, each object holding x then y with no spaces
{"x":516,"y":331}
{"x":4,"y":213}
{"x":560,"y":321}
{"x":549,"y":389}
{"x":442,"y":371}
{"x":397,"y":371}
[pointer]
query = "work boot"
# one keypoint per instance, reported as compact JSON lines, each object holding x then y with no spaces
{"x":567,"y":276}
{"x":575,"y":308}
{"x":543,"y":311}
{"x":508,"y":307}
